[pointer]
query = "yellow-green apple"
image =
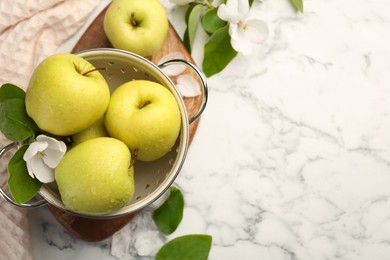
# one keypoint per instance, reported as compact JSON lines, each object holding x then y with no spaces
{"x":94,"y":177}
{"x":66,"y":94}
{"x":145,"y":115}
{"x":96,"y":130}
{"x":137,"y":26}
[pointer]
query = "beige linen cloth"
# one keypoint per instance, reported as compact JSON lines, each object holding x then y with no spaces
{"x":30,"y":30}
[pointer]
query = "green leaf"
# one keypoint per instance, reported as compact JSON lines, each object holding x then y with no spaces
{"x":21,"y":185}
{"x":9,"y":91}
{"x":188,"y":12}
{"x":298,"y":4}
{"x":186,"y":40}
{"x":192,"y":25}
{"x":15,"y":124}
{"x":169,"y":215}
{"x":211,"y":21}
{"x":188,"y":247}
{"x":218,"y":52}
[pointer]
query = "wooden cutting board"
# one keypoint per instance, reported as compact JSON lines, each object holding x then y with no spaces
{"x":94,"y":37}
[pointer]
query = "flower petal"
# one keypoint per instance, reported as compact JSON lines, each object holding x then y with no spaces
{"x":242,"y":41}
{"x":242,"y":45}
{"x":233,"y":31}
{"x":52,"y":142}
{"x":33,"y":149}
{"x":188,"y":86}
{"x":29,"y":169}
{"x":174,"y":69}
{"x":53,"y":157}
{"x":257,"y":30}
{"x":242,"y":7}
{"x":233,"y":11}
{"x":41,"y":171}
{"x":228,"y":14}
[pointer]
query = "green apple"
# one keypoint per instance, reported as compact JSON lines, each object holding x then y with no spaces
{"x":137,"y":26}
{"x":96,"y":130}
{"x":94,"y":176}
{"x":66,"y":94}
{"x":145,"y":115}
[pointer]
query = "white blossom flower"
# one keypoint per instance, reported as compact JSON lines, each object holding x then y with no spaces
{"x":185,"y":84}
{"x":244,"y":31}
{"x":43,"y":156}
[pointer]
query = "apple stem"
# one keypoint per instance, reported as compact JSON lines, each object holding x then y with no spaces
{"x":132,"y":20}
{"x":144,"y":104}
{"x":94,"y":69}
{"x":134,"y":158}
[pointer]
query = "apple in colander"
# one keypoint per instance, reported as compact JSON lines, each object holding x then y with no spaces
{"x":66,"y":94}
{"x":96,"y":130}
{"x":145,"y":115}
{"x":95,"y":177}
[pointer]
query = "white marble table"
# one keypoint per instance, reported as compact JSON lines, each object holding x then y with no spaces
{"x":291,"y":160}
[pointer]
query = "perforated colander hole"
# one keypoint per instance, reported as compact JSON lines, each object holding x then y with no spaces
{"x":138,"y":198}
{"x":159,"y":172}
{"x":147,"y":186}
{"x":123,"y":70}
{"x":110,"y":75}
{"x":110,"y":63}
{"x":177,"y":149}
{"x":170,"y":161}
{"x":159,"y":181}
{"x":135,"y":69}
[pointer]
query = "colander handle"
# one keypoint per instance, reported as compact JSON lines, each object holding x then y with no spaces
{"x":5,"y":196}
{"x":202,"y":81}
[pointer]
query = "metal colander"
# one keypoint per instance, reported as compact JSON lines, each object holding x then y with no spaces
{"x":152,"y":179}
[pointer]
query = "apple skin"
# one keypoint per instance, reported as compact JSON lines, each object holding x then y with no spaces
{"x":63,"y":101}
{"x":94,"y":176}
{"x":149,"y":32}
{"x":96,"y":130}
{"x":144,"y":115}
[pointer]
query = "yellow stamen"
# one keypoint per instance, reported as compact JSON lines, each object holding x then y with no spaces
{"x":242,"y":25}
{"x":41,"y":154}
